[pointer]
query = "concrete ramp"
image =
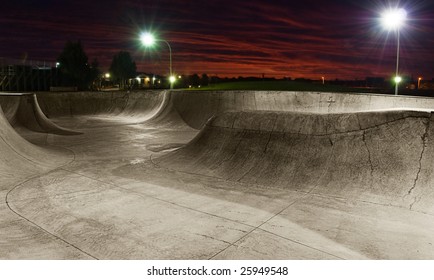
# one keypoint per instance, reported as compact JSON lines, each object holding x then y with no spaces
{"x":20,"y":159}
{"x":30,"y":115}
{"x":23,"y":110}
{"x":379,"y":157}
{"x":96,"y":109}
{"x":120,"y":107}
{"x":196,"y":107}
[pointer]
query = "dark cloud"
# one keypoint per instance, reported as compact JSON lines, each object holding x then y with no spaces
{"x":334,"y":38}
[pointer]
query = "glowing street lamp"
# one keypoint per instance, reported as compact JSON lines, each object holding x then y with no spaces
{"x":394,"y":19}
{"x":148,"y":40}
{"x":418,"y":82}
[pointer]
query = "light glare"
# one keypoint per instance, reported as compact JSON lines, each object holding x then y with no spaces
{"x":147,"y":39}
{"x":398,"y":79}
{"x":172,"y":79}
{"x":393,"y":19}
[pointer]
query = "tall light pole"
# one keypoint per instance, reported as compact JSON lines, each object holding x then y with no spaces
{"x":148,"y":40}
{"x":394,"y":19}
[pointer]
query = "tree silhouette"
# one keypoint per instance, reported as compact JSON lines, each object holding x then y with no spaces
{"x":94,"y":74}
{"x":194,"y":80}
{"x":204,"y":80}
{"x":74,"y":67}
{"x":122,"y":68}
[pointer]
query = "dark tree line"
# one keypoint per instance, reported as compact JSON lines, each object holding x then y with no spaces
{"x":122,"y":68}
{"x":193,"y":80}
{"x":74,"y":66}
{"x":75,"y":70}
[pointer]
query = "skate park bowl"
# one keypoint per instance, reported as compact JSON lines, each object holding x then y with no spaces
{"x":216,"y":175}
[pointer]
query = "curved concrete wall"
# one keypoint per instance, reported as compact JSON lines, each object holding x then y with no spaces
{"x":377,"y":157}
{"x":196,"y":107}
{"x":134,"y":104}
{"x":23,"y":110}
{"x":21,"y":159}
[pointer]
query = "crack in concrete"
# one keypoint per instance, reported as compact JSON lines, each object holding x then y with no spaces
{"x":265,"y":149}
{"x":415,"y":200}
{"x":212,"y":238}
{"x":232,"y":155}
{"x":233,"y":121}
{"x":268,"y":142}
{"x":245,"y":174}
{"x":56,"y":237}
{"x":369,"y":153}
{"x":332,"y":132}
{"x":358,"y":121}
{"x":271,"y":134}
{"x":424,"y":144}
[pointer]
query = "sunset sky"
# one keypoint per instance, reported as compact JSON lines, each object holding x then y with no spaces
{"x":277,"y":38}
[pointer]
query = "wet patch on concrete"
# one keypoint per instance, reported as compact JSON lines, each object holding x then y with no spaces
{"x":164,"y":147}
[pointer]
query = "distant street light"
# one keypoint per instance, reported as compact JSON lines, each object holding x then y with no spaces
{"x":148,"y":40}
{"x":394,"y":19}
{"x":418,"y":82}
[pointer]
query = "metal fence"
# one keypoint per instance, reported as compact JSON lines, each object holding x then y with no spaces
{"x":37,"y":64}
{"x":27,"y":75}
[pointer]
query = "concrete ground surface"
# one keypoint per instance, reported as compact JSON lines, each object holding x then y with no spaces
{"x":216,"y":175}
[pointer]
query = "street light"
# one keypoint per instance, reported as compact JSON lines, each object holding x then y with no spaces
{"x":148,"y":40}
{"x":398,"y":79}
{"x":418,"y":82}
{"x":394,"y":19}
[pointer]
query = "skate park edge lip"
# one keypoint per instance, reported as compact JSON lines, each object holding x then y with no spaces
{"x":15,"y":93}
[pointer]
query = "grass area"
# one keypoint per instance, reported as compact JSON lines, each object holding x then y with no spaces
{"x":279,"y":86}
